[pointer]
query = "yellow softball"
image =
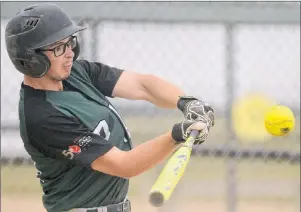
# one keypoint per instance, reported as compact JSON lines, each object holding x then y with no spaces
{"x":279,"y":120}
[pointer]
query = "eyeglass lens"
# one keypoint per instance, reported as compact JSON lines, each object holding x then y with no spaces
{"x":59,"y":50}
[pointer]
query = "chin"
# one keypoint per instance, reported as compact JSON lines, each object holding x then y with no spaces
{"x":67,"y":72}
{"x":66,"y":76}
{"x":62,"y":77}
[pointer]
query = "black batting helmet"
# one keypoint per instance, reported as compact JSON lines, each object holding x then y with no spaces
{"x":35,"y":27}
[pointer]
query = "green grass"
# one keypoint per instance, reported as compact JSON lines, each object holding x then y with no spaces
{"x":19,"y":180}
{"x":199,"y":170}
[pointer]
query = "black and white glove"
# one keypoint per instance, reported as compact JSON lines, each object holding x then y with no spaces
{"x":180,"y":131}
{"x":195,"y":109}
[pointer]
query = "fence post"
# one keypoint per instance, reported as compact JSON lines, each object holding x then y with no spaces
{"x":231,"y":162}
{"x":95,"y":24}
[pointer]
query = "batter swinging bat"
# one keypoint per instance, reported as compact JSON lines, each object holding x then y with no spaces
{"x":172,"y":172}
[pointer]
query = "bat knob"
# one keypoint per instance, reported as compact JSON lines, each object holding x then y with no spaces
{"x":156,"y":199}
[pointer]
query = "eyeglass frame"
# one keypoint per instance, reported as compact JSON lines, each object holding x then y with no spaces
{"x":64,"y":47}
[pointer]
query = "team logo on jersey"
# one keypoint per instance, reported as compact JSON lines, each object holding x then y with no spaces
{"x":74,"y":149}
{"x":83,"y":142}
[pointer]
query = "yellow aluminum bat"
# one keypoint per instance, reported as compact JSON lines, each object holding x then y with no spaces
{"x":172,"y":172}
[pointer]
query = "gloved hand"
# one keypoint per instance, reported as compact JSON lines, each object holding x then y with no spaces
{"x":194,"y":109}
{"x":180,"y":131}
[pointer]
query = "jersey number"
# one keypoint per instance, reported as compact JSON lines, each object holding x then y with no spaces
{"x":68,"y":154}
{"x":103,"y":128}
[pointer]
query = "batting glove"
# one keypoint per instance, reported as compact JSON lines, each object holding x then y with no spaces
{"x":180,"y":131}
{"x":195,"y":109}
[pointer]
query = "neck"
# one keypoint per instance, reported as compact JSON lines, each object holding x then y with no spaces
{"x":43,"y":83}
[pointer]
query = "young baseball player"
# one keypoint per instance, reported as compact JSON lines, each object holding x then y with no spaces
{"x":76,"y":138}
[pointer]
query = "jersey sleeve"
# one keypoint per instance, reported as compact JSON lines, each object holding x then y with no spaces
{"x":103,"y":77}
{"x":64,"y":138}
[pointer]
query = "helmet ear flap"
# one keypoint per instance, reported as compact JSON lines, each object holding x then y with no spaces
{"x":32,"y":63}
{"x":40,"y":65}
{"x":37,"y":66}
{"x":76,"y":50}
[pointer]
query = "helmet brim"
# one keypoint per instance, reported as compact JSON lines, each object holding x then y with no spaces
{"x":58,"y":36}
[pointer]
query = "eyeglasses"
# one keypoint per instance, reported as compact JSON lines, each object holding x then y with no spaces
{"x":61,"y":49}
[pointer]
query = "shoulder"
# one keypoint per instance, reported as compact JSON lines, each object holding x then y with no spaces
{"x":84,"y":68}
{"x":34,"y":107}
{"x":81,"y":64}
{"x":80,"y":67}
{"x":94,"y":66}
{"x":36,"y":110}
{"x":86,"y":65}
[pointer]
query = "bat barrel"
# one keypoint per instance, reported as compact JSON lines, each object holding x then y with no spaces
{"x":172,"y":173}
{"x":156,"y":199}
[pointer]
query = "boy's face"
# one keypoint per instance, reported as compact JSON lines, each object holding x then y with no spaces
{"x":61,"y":58}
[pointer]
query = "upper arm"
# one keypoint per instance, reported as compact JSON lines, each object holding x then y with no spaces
{"x":131,"y":86}
{"x":102,"y":76}
{"x":111,"y":163}
{"x":64,"y":138}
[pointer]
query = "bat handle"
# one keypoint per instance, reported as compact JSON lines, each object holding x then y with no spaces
{"x":194,"y":134}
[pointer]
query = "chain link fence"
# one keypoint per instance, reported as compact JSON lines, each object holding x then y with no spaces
{"x":220,"y":52}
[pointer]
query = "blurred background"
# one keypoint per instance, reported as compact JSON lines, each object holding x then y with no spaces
{"x":239,"y":57}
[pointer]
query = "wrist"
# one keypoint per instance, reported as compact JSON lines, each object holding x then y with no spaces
{"x":169,"y":140}
{"x":183,"y":100}
{"x":172,"y":140}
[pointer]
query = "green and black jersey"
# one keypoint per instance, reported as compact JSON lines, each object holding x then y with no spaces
{"x":65,"y":131}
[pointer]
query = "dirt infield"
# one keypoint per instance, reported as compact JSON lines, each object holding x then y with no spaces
{"x":32,"y":204}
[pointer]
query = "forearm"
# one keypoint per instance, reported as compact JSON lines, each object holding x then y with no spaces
{"x":147,"y":155}
{"x":127,"y":164}
{"x":161,"y":92}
